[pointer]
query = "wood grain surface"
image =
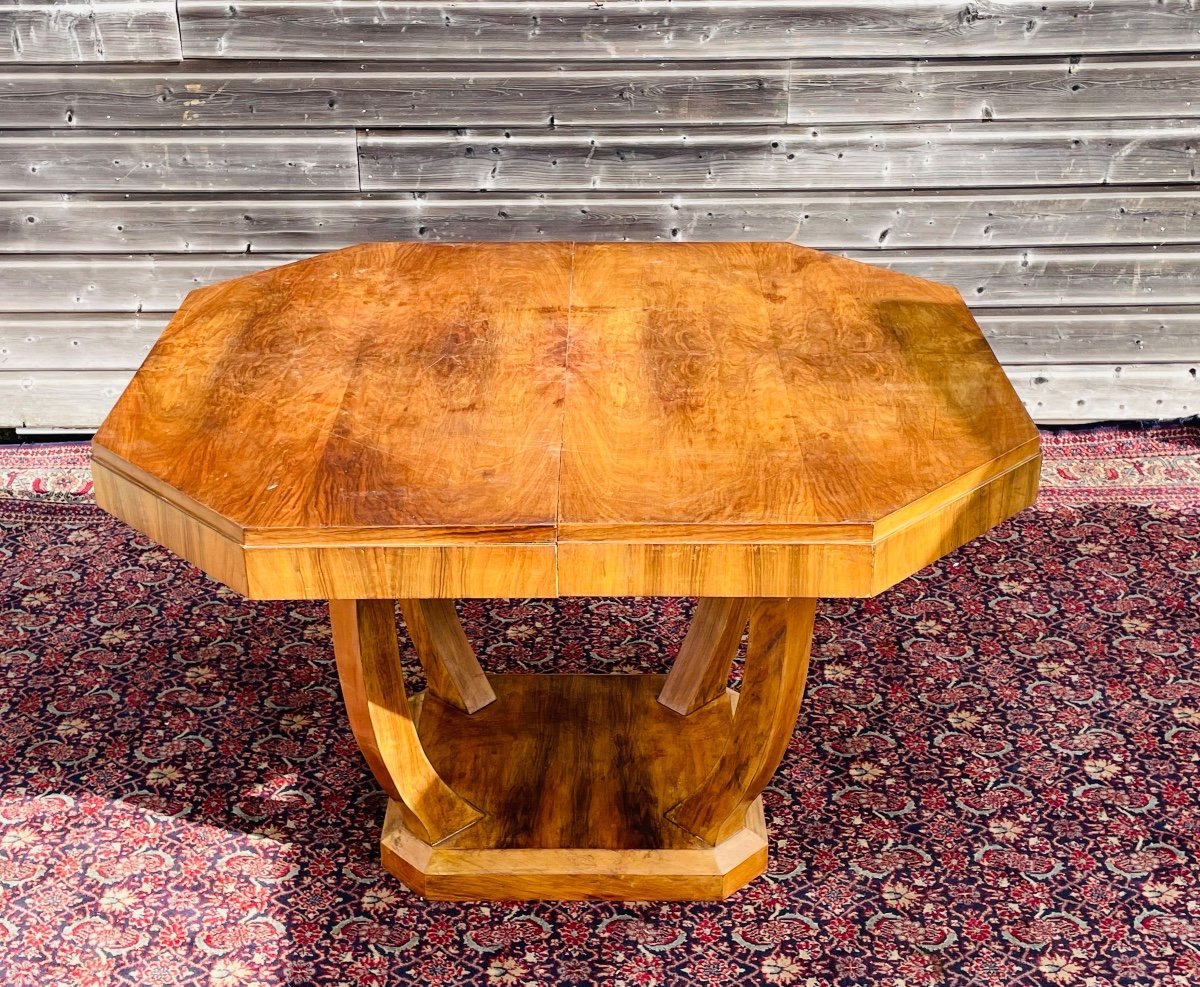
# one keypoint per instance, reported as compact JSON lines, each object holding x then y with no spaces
{"x":700,"y":672}
{"x":48,"y":31}
{"x":228,"y":93}
{"x":838,"y":156}
{"x":1102,"y":391}
{"x":451,"y":668}
{"x":777,"y":651}
{"x":574,"y":774}
{"x":536,"y":29}
{"x":380,"y":400}
{"x":1076,"y":88}
{"x":990,"y":278}
{"x":1143,"y":335}
{"x":879,"y":221}
{"x":546,"y":781}
{"x":269,"y":94}
{"x":506,"y":419}
{"x":729,"y":405}
{"x":368,"y":662}
{"x":156,"y":160}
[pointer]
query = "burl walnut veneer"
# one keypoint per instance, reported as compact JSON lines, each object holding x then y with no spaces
{"x":757,"y":425}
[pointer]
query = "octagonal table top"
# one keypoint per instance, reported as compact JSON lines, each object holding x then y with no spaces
{"x":568,"y":419}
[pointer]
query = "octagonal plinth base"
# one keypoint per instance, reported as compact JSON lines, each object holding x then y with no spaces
{"x":574,"y":775}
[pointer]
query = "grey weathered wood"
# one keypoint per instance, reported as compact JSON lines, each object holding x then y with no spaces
{"x":1056,"y":276}
{"x":77,"y":342}
{"x":977,"y":89}
{"x":1092,"y":392}
{"x":539,"y":29}
{"x":208,"y":94}
{"x":59,"y":398}
{"x":47,"y":31}
{"x":1093,"y":335}
{"x":109,"y":223}
{"x":987,"y":278}
{"x":116,"y":283}
{"x":840,"y":156}
{"x":237,"y":160}
{"x":1026,"y":180}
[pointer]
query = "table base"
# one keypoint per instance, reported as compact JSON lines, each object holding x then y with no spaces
{"x":574,"y":786}
{"x":574,"y":776}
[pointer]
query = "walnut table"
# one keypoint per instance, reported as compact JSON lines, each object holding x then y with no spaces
{"x":756,"y":425}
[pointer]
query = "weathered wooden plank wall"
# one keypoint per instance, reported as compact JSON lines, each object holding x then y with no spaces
{"x":36,"y":31}
{"x":1041,"y":156}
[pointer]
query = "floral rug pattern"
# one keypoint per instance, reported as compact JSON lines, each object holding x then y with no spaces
{"x":995,"y":778}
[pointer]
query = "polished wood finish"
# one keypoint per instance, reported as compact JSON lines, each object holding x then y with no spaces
{"x":442,"y":421}
{"x":577,"y":786}
{"x":700,"y":673}
{"x":772,"y":688}
{"x":574,"y":774}
{"x":452,"y":671}
{"x":755,"y":424}
{"x":391,"y":388}
{"x":761,"y":385}
{"x":700,"y":874}
{"x":368,"y":660}
{"x":140,"y":502}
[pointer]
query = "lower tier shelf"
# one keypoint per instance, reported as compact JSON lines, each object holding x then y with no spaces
{"x":574,"y":775}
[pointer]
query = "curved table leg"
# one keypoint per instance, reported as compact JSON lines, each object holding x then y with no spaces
{"x":772,"y":688}
{"x":368,"y":661}
{"x":701,"y":670}
{"x":446,"y":655}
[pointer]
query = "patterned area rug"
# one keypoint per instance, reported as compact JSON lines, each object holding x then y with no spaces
{"x":995,"y":778}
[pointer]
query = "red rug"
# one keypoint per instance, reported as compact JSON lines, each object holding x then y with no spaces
{"x":995,"y":778}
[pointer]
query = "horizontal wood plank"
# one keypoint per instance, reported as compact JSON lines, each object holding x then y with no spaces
{"x":52,"y":223}
{"x":976,"y":89}
{"x":208,"y":94}
{"x":990,"y":278}
{"x":51,"y":31}
{"x":848,"y":157}
{"x":59,"y":398}
{"x":1093,"y":335}
{"x":54,"y":341}
{"x":210,"y":160}
{"x":1095,"y":392}
{"x":1016,"y":278}
{"x":117,"y":283}
{"x":719,"y":29}
{"x":1087,"y":392}
{"x":326,"y":94}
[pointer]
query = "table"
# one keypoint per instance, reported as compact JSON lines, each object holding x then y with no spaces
{"x":756,"y":425}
